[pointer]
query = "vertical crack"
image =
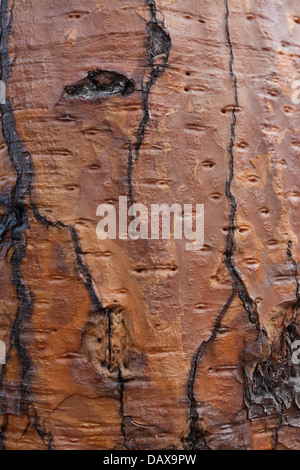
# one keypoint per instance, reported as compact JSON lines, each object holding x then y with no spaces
{"x":110,"y":324}
{"x":152,"y":8}
{"x":248,"y":303}
{"x":195,"y":432}
{"x":269,"y":382}
{"x":158,"y":46}
{"x":129,"y":175}
{"x":158,"y":49}
{"x":22,"y":205}
{"x":277,"y":428}
{"x":123,"y":416}
{"x":2,"y":432}
{"x":191,"y":442}
{"x":19,"y":224}
{"x":295,"y":266}
{"x":296,"y":305}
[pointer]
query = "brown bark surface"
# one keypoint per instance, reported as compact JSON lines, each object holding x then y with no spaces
{"x":121,"y":344}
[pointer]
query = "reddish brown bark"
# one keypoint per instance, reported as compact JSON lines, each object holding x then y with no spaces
{"x":143,"y":344}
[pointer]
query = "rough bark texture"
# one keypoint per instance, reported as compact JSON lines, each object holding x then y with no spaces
{"x":141,"y":344}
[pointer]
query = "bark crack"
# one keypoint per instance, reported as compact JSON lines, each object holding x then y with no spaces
{"x":81,"y":266}
{"x":17,"y":223}
{"x":158,"y":46}
{"x":122,"y":412}
{"x":295,"y":266}
{"x":195,"y":435}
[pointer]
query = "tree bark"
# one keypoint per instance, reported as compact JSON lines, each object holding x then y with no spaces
{"x":144,"y":344}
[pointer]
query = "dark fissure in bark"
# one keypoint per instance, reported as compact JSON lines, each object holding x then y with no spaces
{"x":100,"y":84}
{"x":196,"y":434}
{"x":158,"y":46}
{"x":18,"y":226}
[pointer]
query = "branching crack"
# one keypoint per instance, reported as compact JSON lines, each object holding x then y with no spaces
{"x":192,"y":441}
{"x":17,"y":223}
